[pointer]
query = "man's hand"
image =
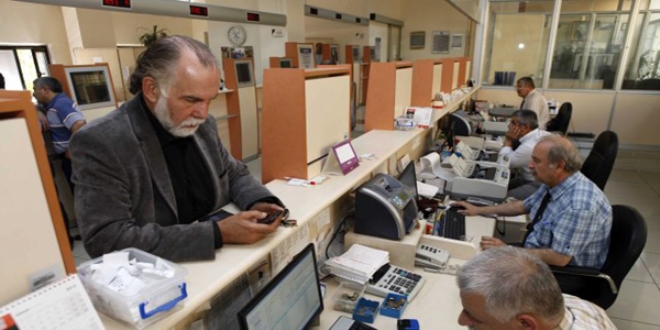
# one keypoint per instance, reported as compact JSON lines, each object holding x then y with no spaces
{"x":488,"y":242}
{"x":470,"y":210}
{"x":266,"y":207}
{"x":513,"y":134}
{"x":43,"y":121}
{"x":243,"y":227}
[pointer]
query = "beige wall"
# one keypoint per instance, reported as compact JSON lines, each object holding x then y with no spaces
{"x":30,"y":27}
{"x":636,"y":119}
{"x":510,"y":30}
{"x":429,"y":16}
{"x":635,"y":114}
{"x":129,"y":27}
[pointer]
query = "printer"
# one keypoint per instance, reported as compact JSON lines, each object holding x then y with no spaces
{"x":477,"y":180}
{"x":384,"y":207}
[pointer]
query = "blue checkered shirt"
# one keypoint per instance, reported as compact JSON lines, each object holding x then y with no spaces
{"x":577,"y":221}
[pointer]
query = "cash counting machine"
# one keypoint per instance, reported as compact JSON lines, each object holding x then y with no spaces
{"x":476,"y":180}
{"x":385,"y":208}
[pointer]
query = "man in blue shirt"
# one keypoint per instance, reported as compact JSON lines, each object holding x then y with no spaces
{"x":571,"y":217}
{"x":63,"y":118}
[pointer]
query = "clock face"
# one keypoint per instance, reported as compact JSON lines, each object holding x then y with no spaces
{"x":236,"y":35}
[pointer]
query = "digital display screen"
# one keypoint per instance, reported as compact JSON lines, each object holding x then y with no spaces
{"x":403,"y":196}
{"x":199,"y":11}
{"x":117,"y":3}
{"x":253,"y":17}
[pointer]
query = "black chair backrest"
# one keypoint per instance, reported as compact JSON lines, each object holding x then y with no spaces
{"x":562,"y":120}
{"x":598,"y":165}
{"x":627,"y":241}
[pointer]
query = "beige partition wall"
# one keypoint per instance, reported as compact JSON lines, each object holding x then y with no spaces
{"x":33,"y":239}
{"x":403,"y":89}
{"x":591,"y":109}
{"x":437,"y":76}
{"x":455,"y":80}
{"x":305,"y":112}
{"x":636,"y":118}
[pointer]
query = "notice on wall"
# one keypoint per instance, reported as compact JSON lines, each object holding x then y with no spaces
{"x":440,"y":42}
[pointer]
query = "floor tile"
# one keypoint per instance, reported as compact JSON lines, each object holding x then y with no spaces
{"x":630,"y":325}
{"x":255,"y":168}
{"x":649,"y":203}
{"x":640,"y":273}
{"x":625,"y":176}
{"x":649,"y":177}
{"x":637,"y":302}
{"x":652,"y":263}
{"x":629,"y":188}
{"x":653,"y":242}
{"x":79,"y":250}
{"x":652,"y":219}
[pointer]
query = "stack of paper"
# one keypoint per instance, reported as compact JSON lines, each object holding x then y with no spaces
{"x":358,"y":264}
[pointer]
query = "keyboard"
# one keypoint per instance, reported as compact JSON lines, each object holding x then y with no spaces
{"x":453,"y":224}
{"x":344,"y":323}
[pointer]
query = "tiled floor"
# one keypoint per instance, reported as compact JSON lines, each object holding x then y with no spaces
{"x":635,"y":181}
{"x":632,"y":183}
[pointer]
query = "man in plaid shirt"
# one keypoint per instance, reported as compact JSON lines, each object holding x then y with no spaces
{"x":571,"y":217}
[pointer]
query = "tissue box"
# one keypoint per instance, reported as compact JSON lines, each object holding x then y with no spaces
{"x":159,"y":297}
{"x":394,"y":305}
{"x":365,"y":311}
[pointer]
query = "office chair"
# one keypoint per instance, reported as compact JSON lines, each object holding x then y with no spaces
{"x":627,"y":240}
{"x":562,"y":120}
{"x":598,"y":165}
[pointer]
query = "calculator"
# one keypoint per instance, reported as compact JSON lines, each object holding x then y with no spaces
{"x":393,"y":279}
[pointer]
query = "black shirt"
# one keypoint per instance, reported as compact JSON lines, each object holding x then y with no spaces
{"x":194,"y":193}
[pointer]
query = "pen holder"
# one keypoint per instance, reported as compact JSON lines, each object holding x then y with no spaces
{"x":365,"y":311}
{"x":394,"y":305}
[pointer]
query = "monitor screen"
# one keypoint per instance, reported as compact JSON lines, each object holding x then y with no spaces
{"x":286,"y":63}
{"x":243,"y":73}
{"x":409,"y":178}
{"x":90,"y":87}
{"x":290,"y":301}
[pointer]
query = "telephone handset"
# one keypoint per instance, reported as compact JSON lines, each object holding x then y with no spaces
{"x":460,"y":166}
{"x":431,"y":257}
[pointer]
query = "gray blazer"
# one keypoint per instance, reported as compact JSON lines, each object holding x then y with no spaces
{"x":124,"y":195}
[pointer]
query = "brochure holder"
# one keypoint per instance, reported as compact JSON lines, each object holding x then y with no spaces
{"x":342,"y":160}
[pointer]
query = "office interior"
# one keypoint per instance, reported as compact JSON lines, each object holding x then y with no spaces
{"x":600,"y":55}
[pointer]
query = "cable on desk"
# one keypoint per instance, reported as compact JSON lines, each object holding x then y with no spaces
{"x":350,"y":215}
{"x":503,"y":231}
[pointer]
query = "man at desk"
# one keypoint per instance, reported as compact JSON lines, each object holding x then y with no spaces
{"x":508,"y":288}
{"x":523,"y":128}
{"x":146,"y":171}
{"x":571,"y":217}
{"x":533,"y":100}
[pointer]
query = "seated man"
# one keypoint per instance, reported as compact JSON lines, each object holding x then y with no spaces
{"x":508,"y":288}
{"x":147,"y":171}
{"x":523,"y":128}
{"x":572,"y":218}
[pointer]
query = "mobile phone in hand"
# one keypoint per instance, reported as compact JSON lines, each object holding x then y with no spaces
{"x":271,"y":217}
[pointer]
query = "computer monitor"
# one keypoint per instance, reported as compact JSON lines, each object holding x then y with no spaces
{"x":244,"y":73}
{"x":291,"y":300}
{"x":90,"y":86}
{"x":286,"y":62}
{"x":409,"y":178}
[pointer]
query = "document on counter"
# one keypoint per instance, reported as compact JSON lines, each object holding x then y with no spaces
{"x":427,"y":190}
{"x":62,"y":305}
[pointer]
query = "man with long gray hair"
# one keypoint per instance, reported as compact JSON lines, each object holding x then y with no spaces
{"x":147,"y":171}
{"x":509,"y":288}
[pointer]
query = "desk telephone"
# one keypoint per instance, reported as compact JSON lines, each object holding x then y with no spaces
{"x":430,"y":257}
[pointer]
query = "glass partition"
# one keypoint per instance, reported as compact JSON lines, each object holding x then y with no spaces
{"x":588,"y":50}
{"x":518,"y":35}
{"x":643,"y":67}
